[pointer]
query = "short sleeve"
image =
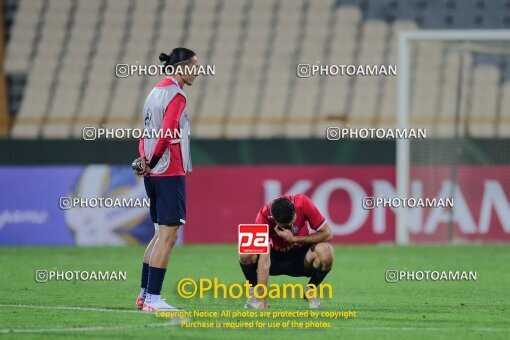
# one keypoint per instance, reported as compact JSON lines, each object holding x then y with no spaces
{"x":312,"y":214}
{"x":261,"y":219}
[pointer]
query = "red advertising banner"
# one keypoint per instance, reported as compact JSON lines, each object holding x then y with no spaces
{"x":221,"y":198}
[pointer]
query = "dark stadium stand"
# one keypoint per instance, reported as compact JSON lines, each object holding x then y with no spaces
{"x":47,"y":42}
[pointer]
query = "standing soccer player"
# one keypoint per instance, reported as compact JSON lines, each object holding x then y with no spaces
{"x":165,"y":162}
{"x":299,"y":246}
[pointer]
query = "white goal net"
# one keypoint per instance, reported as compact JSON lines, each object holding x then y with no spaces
{"x":456,"y":85}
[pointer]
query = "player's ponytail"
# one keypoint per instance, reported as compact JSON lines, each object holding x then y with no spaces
{"x":163,"y":57}
{"x":178,"y":55}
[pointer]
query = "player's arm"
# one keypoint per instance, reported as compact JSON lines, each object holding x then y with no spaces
{"x":316,"y":221}
{"x":264,"y":262}
{"x":263,"y":266}
{"x":324,"y":234}
{"x":173,"y":113}
{"x":141,"y":148}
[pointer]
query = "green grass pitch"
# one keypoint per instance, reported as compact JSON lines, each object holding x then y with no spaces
{"x":418,"y":310}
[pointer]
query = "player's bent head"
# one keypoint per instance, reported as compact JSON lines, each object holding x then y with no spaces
{"x":180,"y":61}
{"x":283,"y":211}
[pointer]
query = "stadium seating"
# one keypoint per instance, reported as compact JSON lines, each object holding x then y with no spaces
{"x":66,"y":51}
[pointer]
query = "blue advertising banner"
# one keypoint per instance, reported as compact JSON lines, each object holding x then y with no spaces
{"x":34,"y":206}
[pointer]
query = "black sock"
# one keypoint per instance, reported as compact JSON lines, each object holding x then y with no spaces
{"x":250,"y":273}
{"x":317,"y":276}
{"x":145,"y":275}
{"x":156,"y":277}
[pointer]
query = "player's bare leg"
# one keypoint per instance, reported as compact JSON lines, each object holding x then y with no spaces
{"x":145,"y":269}
{"x":148,"y":250}
{"x":158,"y":262}
{"x":319,"y":260}
{"x":163,"y":246}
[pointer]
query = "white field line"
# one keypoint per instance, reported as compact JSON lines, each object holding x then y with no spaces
{"x":91,"y":309}
{"x":86,"y":329}
{"x":175,"y":322}
{"x":171,"y":322}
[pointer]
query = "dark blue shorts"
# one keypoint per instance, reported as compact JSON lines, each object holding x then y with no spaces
{"x":290,"y":263}
{"x":167,"y":195}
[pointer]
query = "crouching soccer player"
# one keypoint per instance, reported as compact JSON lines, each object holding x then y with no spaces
{"x":294,"y":250}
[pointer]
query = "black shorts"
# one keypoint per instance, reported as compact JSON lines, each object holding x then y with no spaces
{"x":290,"y":263}
{"x":167,"y":196}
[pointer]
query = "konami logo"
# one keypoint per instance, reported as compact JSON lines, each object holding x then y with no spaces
{"x":475,"y":211}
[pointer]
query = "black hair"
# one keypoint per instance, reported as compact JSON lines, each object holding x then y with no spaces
{"x":283,"y":210}
{"x":178,"y":55}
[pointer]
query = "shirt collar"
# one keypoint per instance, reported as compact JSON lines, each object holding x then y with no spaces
{"x":175,"y":82}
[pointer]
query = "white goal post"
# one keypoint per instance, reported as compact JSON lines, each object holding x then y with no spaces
{"x":404,"y":103}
